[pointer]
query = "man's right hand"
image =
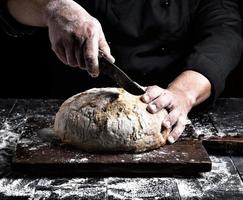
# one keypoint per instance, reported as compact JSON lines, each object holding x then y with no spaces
{"x":75,"y":35}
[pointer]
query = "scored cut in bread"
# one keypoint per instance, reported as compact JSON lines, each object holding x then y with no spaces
{"x":110,"y":120}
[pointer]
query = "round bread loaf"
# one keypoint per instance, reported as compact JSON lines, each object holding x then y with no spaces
{"x":109,"y":119}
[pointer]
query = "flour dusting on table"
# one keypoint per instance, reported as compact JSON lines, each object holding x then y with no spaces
{"x":8,"y":141}
{"x":223,"y":177}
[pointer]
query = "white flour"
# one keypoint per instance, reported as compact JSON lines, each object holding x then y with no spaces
{"x":8,"y":140}
{"x":139,"y":188}
{"x":128,"y":188}
{"x":222,"y":178}
{"x":17,"y":187}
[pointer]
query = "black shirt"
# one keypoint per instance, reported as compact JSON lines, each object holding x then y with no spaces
{"x":155,"y":40}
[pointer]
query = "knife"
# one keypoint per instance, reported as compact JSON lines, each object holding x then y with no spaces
{"x":119,"y":76}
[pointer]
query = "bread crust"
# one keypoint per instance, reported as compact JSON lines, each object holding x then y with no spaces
{"x":111,"y":120}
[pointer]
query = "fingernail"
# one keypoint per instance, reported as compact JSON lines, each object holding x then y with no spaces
{"x":188,"y":121}
{"x":94,"y":75}
{"x":113,"y":60}
{"x":171,"y":139}
{"x":110,"y":58}
{"x":145,"y":98}
{"x":167,"y":124}
{"x":153,"y":107}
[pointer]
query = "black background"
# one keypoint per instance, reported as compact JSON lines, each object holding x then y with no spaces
{"x":27,"y":69}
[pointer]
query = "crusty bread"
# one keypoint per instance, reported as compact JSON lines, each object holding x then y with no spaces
{"x":109,"y":119}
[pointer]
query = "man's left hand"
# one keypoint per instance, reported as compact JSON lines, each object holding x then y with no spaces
{"x":177,"y":104}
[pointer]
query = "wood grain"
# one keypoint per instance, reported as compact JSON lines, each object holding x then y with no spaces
{"x":222,"y":182}
{"x":37,"y":157}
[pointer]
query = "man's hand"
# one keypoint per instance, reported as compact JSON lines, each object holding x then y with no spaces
{"x":187,"y":90}
{"x":175,"y":101}
{"x":76,"y":36}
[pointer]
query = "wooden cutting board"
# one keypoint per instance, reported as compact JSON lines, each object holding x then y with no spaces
{"x":40,"y":154}
{"x":37,"y":155}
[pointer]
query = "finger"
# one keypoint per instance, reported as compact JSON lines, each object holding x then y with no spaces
{"x":104,"y":47}
{"x":91,"y":55}
{"x":161,"y":102}
{"x":171,"y":119}
{"x":152,"y":92}
{"x":60,"y":53}
{"x":79,"y":57}
{"x":79,"y":54}
{"x":70,"y":53}
{"x":177,"y":131}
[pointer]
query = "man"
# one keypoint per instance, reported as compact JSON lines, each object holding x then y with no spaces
{"x":184,"y":48}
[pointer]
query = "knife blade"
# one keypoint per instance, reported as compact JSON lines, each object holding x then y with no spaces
{"x":119,"y":76}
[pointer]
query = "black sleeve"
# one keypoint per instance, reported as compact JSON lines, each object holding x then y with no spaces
{"x":217,"y":41}
{"x":10,"y":26}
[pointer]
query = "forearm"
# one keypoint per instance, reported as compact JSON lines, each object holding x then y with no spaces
{"x":194,"y":85}
{"x":37,"y":12}
{"x":29,"y":12}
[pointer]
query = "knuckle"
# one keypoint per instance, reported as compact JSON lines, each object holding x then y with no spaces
{"x":168,"y":122}
{"x":152,"y":89}
{"x":91,"y":28}
{"x":89,"y":24}
{"x":171,"y":120}
{"x":155,"y":87}
{"x":158,"y":103}
{"x":89,"y":58}
{"x":104,"y":46}
{"x":90,"y":33}
{"x":150,"y":94}
{"x":79,"y":38}
{"x":172,"y":100}
{"x":95,"y":22}
{"x":148,"y":97}
{"x":173,"y":116}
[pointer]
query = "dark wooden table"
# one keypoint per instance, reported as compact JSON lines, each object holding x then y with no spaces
{"x":223,"y":182}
